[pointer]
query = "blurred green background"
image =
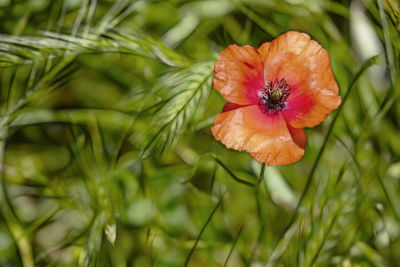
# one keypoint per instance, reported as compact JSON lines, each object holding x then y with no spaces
{"x":107,"y":157}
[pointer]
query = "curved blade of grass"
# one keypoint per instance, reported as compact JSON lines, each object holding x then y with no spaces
{"x":203,"y":228}
{"x":387,"y":195}
{"x":16,"y":229}
{"x":110,"y":118}
{"x":388,"y":44}
{"x":266,"y":25}
{"x":233,"y":244}
{"x":328,"y":231}
{"x":341,"y":174}
{"x":355,"y":166}
{"x":94,"y":242}
{"x":79,"y":18}
{"x":282,"y":244}
{"x":112,"y":13}
{"x":226,"y":169}
{"x":356,"y":170}
{"x":91,"y":11}
{"x":231,"y":174}
{"x":65,"y":244}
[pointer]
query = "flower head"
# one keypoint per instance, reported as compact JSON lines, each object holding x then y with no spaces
{"x":273,"y":92}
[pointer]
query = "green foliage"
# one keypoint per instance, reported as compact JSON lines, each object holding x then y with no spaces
{"x":106,"y":154}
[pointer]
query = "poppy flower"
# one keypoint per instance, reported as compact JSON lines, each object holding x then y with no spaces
{"x":273,"y":92}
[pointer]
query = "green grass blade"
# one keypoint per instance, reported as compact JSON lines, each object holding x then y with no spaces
{"x":203,"y":229}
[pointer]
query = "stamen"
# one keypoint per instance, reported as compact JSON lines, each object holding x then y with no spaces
{"x":274,"y":96}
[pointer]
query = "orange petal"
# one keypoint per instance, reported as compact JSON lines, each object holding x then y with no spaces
{"x":298,"y":135}
{"x":310,"y":109}
{"x":266,"y":137}
{"x":294,"y":42}
{"x":305,"y":65}
{"x":238,"y":75}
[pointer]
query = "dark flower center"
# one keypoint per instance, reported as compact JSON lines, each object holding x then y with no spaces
{"x":274,"y":96}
